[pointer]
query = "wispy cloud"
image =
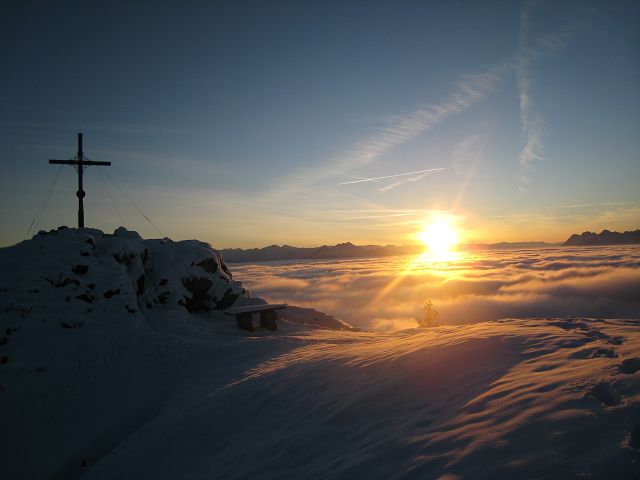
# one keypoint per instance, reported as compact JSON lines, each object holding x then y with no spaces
{"x":374,"y":179}
{"x":387,"y":215}
{"x":398,"y":183}
{"x":590,"y":205}
{"x":467,"y":90}
{"x":397,"y":130}
{"x":532,"y":124}
{"x":529,"y":50}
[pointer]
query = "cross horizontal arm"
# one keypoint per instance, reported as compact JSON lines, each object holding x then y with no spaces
{"x":91,"y":162}
{"x":76,"y":162}
{"x":64,"y":162}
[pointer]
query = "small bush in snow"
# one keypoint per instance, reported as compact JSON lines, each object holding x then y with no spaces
{"x":429,"y":317}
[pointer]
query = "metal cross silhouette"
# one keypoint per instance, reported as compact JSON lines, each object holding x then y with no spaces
{"x":80,"y":161}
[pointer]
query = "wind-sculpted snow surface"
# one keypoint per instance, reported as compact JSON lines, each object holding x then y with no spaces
{"x":555,"y":398}
{"x":388,"y":293}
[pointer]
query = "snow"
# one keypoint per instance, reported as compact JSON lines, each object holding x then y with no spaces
{"x":165,"y":393}
{"x":258,"y":308}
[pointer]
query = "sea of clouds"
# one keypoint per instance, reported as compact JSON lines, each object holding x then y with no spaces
{"x":388,"y":293}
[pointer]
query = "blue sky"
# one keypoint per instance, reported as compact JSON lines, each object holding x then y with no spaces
{"x":236,"y":122}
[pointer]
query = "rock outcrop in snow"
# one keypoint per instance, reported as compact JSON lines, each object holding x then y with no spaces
{"x":78,"y":271}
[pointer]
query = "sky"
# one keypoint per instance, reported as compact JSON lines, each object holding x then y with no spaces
{"x":246,"y":124}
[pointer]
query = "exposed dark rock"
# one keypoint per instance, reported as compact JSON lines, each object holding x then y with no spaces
{"x":140,"y":285}
{"x":225,"y":269}
{"x":199,"y":289}
{"x":164,"y":297}
{"x":228,"y":299}
{"x":111,"y":293}
{"x":63,"y":281}
{"x":124,"y":233}
{"x":73,"y":325}
{"x":85,"y":297}
{"x":208,"y":265}
{"x":80,"y":269}
{"x":163,"y":282}
{"x":123,"y":258}
{"x":634,"y":438}
{"x":66,"y":281}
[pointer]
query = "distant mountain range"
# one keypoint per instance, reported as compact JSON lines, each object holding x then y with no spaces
{"x":605,"y":237}
{"x":341,"y":250}
{"x":349,"y":250}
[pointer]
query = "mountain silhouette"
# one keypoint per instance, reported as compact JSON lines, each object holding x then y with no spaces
{"x":606,"y":237}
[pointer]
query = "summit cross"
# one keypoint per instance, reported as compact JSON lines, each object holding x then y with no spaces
{"x":80,"y":161}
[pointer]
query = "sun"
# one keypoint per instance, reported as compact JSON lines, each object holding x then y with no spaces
{"x":439,"y":237}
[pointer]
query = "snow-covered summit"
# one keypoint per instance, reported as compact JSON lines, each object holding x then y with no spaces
{"x":81,"y":271}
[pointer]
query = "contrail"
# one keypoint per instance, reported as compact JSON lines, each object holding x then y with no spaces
{"x":430,"y":170}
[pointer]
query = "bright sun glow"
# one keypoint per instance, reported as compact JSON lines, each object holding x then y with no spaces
{"x":439,"y":237}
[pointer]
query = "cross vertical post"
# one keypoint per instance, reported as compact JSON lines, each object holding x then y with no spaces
{"x":80,"y":193}
{"x":80,"y":161}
